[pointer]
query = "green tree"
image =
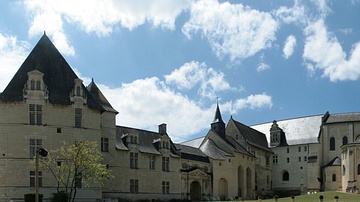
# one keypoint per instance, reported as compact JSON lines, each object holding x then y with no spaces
{"x":76,"y":166}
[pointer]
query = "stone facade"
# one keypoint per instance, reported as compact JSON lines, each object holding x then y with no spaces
{"x":46,"y":104}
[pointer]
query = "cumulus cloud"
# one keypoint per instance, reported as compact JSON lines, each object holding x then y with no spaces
{"x":323,"y":51}
{"x":194,"y":73}
{"x":153,"y":103}
{"x":12,"y":53}
{"x":289,"y":46}
{"x":257,"y":101}
{"x":232,"y":30}
{"x":98,"y":16}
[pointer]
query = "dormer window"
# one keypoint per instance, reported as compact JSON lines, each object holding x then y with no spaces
{"x":35,"y":87}
{"x":32,"y":85}
{"x":78,"y":91}
{"x":78,"y":95}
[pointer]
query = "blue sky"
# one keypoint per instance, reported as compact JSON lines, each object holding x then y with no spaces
{"x":169,"y":61}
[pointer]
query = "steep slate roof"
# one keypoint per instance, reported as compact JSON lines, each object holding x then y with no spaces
{"x":217,"y":117}
{"x":345,"y":117}
{"x":302,"y":130}
{"x":58,"y":76}
{"x":253,"y":136}
{"x":146,"y":140}
{"x":237,"y":145}
{"x":99,"y":97}
{"x":192,"y":153}
{"x":213,"y":151}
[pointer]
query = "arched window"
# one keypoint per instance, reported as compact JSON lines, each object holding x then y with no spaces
{"x":286,"y":176}
{"x":334,"y":177}
{"x":358,"y":169}
{"x":345,"y":140}
{"x":332,"y":144}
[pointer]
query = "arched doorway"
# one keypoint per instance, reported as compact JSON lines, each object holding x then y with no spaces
{"x":223,"y":187}
{"x":248,"y":182}
{"x":241,"y":181}
{"x":195,"y":191}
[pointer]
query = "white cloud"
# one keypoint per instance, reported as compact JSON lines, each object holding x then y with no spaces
{"x":262,"y":67}
{"x":194,"y":73}
{"x":146,"y":103}
{"x":99,"y":16}
{"x":232,"y":30}
{"x":12,"y":54}
{"x":323,"y":50}
{"x":289,"y":46}
{"x":257,"y":101}
{"x":46,"y":18}
{"x":295,"y":14}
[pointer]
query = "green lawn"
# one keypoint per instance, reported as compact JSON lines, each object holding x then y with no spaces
{"x":328,"y":197}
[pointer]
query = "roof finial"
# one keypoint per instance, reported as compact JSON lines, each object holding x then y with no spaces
{"x":44,"y":32}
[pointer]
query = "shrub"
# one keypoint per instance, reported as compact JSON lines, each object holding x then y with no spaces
{"x":59,"y":197}
{"x":31,"y":197}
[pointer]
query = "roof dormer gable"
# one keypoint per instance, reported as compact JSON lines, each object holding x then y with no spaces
{"x":35,"y":87}
{"x":78,"y":94}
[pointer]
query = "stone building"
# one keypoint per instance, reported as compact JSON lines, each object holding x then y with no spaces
{"x":45,"y":104}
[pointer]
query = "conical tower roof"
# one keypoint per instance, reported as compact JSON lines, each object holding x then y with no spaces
{"x":217,"y":118}
{"x":99,"y":97}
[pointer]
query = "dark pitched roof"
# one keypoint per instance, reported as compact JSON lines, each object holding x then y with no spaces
{"x":192,"y":153}
{"x":252,"y":136}
{"x":147,"y":140}
{"x":345,"y":117}
{"x":239,"y":148}
{"x":99,"y":97}
{"x":58,"y":75}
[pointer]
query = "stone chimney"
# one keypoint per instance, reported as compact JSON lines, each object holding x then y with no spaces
{"x":162,"y":129}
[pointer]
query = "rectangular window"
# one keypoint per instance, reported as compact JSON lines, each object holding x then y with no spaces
{"x":165,"y":187}
{"x":267,"y":160}
{"x":299,"y":159}
{"x":165,"y":163}
{"x":287,"y":150}
{"x":32,"y":178}
{"x":133,"y":160}
{"x":305,"y":148}
{"x":275,"y":159}
{"x":134,"y":186}
{"x":78,"y":117}
{"x":104,"y":144}
{"x":299,"y":149}
{"x":35,"y":114}
{"x":288,"y":160}
{"x":305,"y":158}
{"x":152,"y":162}
{"x":34,"y":145}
